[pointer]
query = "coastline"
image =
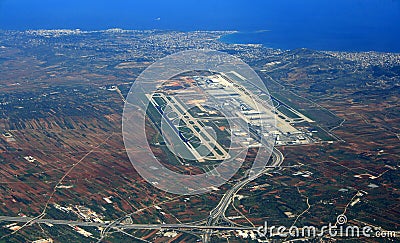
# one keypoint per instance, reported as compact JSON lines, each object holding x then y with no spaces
{"x":279,"y":40}
{"x":291,"y":41}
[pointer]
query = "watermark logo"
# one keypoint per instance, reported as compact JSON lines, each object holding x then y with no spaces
{"x":179,"y":109}
{"x":341,"y":219}
{"x":339,"y":229}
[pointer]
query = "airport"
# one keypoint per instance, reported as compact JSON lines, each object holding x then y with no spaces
{"x":187,"y":109}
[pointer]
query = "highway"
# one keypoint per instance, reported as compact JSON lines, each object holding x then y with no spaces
{"x":215,"y":215}
{"x":219,"y":211}
{"x":120,"y":226}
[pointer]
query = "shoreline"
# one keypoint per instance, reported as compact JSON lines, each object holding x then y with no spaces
{"x":236,"y":38}
{"x":231,"y":37}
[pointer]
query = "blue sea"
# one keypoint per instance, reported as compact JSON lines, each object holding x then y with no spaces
{"x":344,"y":25}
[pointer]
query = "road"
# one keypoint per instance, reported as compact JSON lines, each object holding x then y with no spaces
{"x":215,"y":214}
{"x":220,"y":209}
{"x":121,"y":226}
